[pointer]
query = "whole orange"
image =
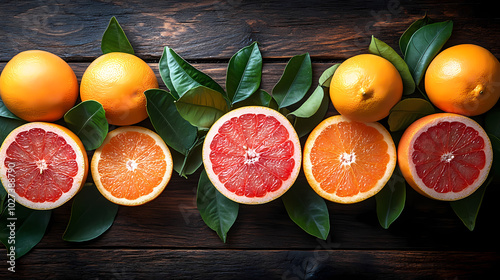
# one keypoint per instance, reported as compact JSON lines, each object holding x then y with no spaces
{"x":463,"y":79}
{"x":37,"y":85}
{"x":365,"y":87}
{"x":118,"y":81}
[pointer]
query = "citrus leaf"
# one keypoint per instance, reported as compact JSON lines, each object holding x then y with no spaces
{"x":7,"y":125}
{"x":258,"y":98}
{"x":201,"y":106}
{"x":3,"y":196}
{"x":305,"y":125}
{"x":189,"y":163}
{"x":391,"y":199}
{"x":495,"y":145}
{"x":405,"y":38}
{"x":114,"y":39}
{"x":5,"y":113}
{"x":244,"y":73}
{"x":88,"y":121}
{"x":311,"y":105}
{"x":380,"y":48}
{"x":423,"y":46}
{"x":491,"y":123}
{"x":28,"y":227}
{"x":165,"y":73}
{"x":177,"y":133}
{"x":468,"y":208}
{"x":184,"y":76}
{"x":217,"y":211}
{"x":308,"y":210}
{"x":326,"y":76}
{"x":295,"y":81}
{"x":91,"y":215}
{"x":407,"y":111}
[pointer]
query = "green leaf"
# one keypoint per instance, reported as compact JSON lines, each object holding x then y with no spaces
{"x":308,"y":210}
{"x":491,"y":122}
{"x":28,"y":227}
{"x":495,"y":145}
{"x":405,"y":38}
{"x":114,"y":39}
{"x":188,"y":163}
{"x":91,"y":215}
{"x":380,"y":48}
{"x":305,"y":125}
{"x":311,"y":105}
{"x":326,"y":76}
{"x":3,"y":196}
{"x":201,"y":106}
{"x":258,"y":98}
{"x":88,"y":121}
{"x":468,"y":208}
{"x":184,"y":76}
{"x":244,"y":73}
{"x":391,"y":199}
{"x":177,"y":133}
{"x":7,"y":125}
{"x":295,"y":81}
{"x":165,"y":73}
{"x":217,"y":211}
{"x":424,"y":45}
{"x":407,"y":111}
{"x":5,"y":113}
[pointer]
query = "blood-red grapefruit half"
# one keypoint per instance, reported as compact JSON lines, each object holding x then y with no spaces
{"x":445,"y":156}
{"x":252,"y":155}
{"x":43,"y":165}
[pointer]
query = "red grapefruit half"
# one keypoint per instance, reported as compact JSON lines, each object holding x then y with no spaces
{"x":445,"y":156}
{"x":42,"y":165}
{"x":252,"y":155}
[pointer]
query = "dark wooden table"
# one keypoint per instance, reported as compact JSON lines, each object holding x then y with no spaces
{"x":167,"y":239}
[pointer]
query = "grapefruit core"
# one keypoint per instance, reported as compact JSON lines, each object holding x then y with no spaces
{"x":252,"y":155}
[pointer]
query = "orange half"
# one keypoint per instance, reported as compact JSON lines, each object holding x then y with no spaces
{"x":132,"y":166}
{"x":347,"y":161}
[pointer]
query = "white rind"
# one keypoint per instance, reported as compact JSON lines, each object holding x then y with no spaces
{"x":214,"y":178}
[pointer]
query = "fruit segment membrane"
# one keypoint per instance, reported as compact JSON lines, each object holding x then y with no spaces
{"x":349,"y":158}
{"x":252,"y":155}
{"x":43,"y":173}
{"x":449,"y":156}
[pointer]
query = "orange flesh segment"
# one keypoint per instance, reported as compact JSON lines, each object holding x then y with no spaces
{"x":449,"y":156}
{"x":131,"y":165}
{"x":349,"y":158}
{"x":252,"y":155}
{"x":44,"y":165}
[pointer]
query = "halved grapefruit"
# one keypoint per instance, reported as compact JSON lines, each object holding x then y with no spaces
{"x":132,"y":166}
{"x":43,"y":165}
{"x":445,"y":156}
{"x":252,"y":155}
{"x":347,"y":161}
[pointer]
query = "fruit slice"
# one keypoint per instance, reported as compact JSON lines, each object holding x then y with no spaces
{"x":43,"y":165}
{"x":132,"y":166}
{"x":347,"y":161}
{"x":445,"y":156}
{"x":252,"y":155}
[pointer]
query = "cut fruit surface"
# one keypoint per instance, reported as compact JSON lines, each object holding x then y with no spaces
{"x":445,"y":156}
{"x":252,"y":155}
{"x":347,"y":161}
{"x":132,"y":166}
{"x":44,"y":164}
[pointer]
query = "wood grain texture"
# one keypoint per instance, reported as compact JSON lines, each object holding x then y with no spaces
{"x":207,"y":30}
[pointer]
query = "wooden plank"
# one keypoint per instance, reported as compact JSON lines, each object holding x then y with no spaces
{"x":324,"y":263}
{"x":217,"y":29}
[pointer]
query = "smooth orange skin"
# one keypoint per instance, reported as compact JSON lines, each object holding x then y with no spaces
{"x":365,"y":87}
{"x":463,"y":79}
{"x":37,"y":85}
{"x":118,"y":81}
